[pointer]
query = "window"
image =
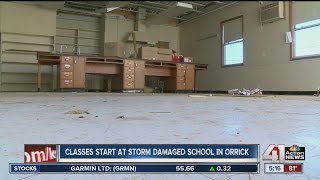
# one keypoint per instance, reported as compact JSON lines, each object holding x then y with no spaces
{"x":306,"y":29}
{"x":232,"y":41}
{"x":307,"y":41}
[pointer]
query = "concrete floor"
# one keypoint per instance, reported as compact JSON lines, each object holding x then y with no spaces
{"x":34,"y":118}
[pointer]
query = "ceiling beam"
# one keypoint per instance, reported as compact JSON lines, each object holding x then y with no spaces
{"x":160,"y":4}
{"x":147,"y":6}
{"x":123,"y":9}
{"x":159,"y":8}
{"x":84,"y":4}
{"x":194,"y":3}
{"x":211,"y":11}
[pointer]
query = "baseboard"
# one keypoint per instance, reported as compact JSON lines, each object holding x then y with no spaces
{"x":267,"y":92}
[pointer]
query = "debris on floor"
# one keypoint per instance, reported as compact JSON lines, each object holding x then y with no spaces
{"x":245,"y":92}
{"x":317,"y":92}
{"x":78,"y":112}
{"x":120,"y":117}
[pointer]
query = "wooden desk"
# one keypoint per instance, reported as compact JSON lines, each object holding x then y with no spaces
{"x":72,"y":70}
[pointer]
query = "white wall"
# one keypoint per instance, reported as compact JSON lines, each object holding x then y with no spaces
{"x":267,"y":60}
{"x":25,"y":28}
{"x":22,"y":18}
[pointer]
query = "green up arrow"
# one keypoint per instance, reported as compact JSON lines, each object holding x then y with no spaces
{"x":212,"y":169}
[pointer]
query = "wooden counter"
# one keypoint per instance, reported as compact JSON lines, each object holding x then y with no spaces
{"x":72,"y":70}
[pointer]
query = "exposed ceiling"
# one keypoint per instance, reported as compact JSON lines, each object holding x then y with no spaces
{"x":152,"y":7}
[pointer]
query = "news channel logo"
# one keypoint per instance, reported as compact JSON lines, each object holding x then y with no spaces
{"x":279,"y":153}
{"x":40,"y":153}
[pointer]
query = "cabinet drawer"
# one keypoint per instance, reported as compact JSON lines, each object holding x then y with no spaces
{"x":66,"y":83}
{"x":129,"y":77}
{"x":66,"y":67}
{"x":181,"y":72}
{"x":128,"y":70}
{"x":181,"y":66}
{"x":181,"y":79}
{"x":66,"y":75}
{"x":128,"y":84}
{"x":67,"y":59}
{"x":181,"y":86}
{"x":128,"y":63}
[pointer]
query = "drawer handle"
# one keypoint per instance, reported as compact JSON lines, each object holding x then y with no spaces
{"x":129,"y":77}
{"x":67,"y":66}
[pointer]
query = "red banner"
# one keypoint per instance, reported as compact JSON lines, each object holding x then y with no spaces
{"x":40,"y":153}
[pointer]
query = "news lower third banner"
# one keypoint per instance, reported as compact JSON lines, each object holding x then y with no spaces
{"x":127,"y":153}
{"x":135,"y":158}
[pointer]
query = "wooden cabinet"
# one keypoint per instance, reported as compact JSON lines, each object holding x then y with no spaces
{"x":139,"y":74}
{"x":133,"y":74}
{"x":189,"y":77}
{"x":185,"y":76}
{"x":79,"y":74}
{"x":72,"y":72}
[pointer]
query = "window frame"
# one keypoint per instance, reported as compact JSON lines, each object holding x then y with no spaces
{"x":292,"y":44}
{"x":295,"y":57}
{"x":223,"y":44}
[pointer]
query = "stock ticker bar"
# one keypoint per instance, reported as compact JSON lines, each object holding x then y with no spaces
{"x":22,"y":168}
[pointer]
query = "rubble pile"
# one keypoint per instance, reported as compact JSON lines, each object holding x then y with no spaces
{"x":245,"y":92}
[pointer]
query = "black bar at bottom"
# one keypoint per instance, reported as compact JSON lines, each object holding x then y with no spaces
{"x":18,"y":168}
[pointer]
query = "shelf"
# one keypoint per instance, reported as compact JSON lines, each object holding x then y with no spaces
{"x":16,"y":42}
{"x":18,"y":62}
{"x":77,"y":29}
{"x":88,"y":45}
{"x":81,"y":37}
{"x":66,"y":44}
{"x":39,"y":35}
{"x":78,"y":45}
{"x":88,"y":30}
{"x":66,"y":28}
{"x":20,"y":51}
{"x":66,"y":36}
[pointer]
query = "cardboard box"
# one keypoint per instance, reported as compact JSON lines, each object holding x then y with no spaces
{"x":188,"y":59}
{"x":165,"y":57}
{"x":114,"y":49}
{"x":163,"y":44}
{"x":165,"y":51}
{"x":148,"y":53}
